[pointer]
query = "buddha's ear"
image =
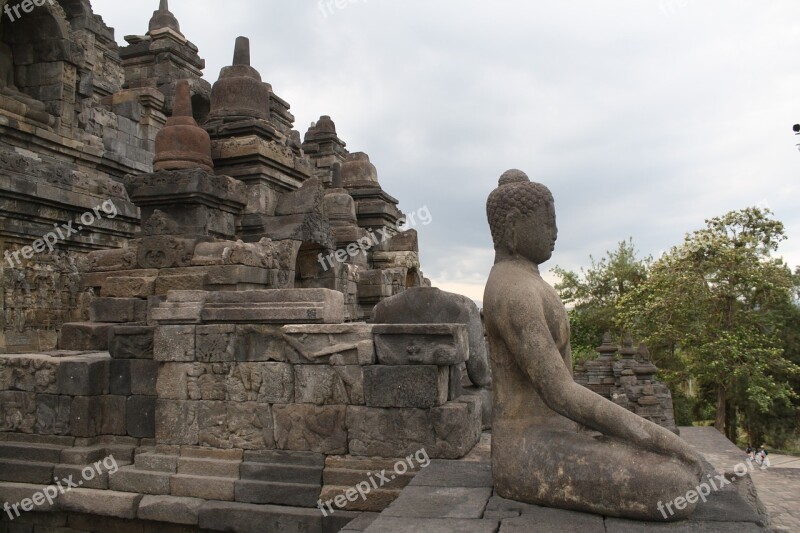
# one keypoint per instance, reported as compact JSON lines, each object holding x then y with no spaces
{"x":510,"y":230}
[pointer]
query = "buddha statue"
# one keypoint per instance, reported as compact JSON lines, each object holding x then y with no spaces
{"x":554,"y":442}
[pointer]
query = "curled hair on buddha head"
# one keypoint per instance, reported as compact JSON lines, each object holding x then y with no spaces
{"x":515,"y":195}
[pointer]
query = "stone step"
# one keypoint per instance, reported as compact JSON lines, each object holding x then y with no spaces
{"x":156,"y":462}
{"x":271,"y":472}
{"x":282,"y":457}
{"x":276,"y":493}
{"x":45,"y":453}
{"x":97,"y":481}
{"x":207,"y":488}
{"x":376,"y":501}
{"x":349,"y":477}
{"x":208,"y":467}
{"x":33,"y":472}
{"x":128,"y":479}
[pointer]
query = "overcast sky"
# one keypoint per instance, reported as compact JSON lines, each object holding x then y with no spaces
{"x":644,"y":117}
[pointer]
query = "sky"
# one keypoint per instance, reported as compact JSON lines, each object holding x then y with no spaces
{"x":643,"y":117}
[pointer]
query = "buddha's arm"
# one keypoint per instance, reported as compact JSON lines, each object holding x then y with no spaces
{"x":528,"y":336}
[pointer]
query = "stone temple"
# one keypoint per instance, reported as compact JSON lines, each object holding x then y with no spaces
{"x":211,"y":322}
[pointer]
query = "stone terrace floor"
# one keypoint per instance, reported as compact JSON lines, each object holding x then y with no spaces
{"x":778,"y":485}
{"x":451,"y":496}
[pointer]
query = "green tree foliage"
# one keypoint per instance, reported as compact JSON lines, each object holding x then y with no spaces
{"x":593,"y":295}
{"x":720,"y":306}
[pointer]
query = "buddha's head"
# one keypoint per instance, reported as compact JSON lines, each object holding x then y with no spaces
{"x":522,"y":218}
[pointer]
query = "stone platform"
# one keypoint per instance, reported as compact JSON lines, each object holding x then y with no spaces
{"x":194,"y":490}
{"x":458,"y":496}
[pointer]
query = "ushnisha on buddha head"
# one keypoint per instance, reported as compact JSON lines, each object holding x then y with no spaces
{"x":522,"y":219}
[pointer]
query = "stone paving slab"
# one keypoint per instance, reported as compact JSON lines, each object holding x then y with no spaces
{"x":388,"y":524}
{"x":458,"y":496}
{"x":441,"y":473}
{"x":617,"y":525}
{"x":440,"y":502}
{"x":778,"y":488}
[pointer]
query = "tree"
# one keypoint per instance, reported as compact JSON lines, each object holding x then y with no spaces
{"x":716,"y":304}
{"x":594,"y":295}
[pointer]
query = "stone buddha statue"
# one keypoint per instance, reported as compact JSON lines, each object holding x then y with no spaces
{"x":556,"y":443}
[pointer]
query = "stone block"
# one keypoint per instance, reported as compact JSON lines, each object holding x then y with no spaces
{"x":441,"y":473}
{"x":140,"y":417}
{"x":215,"y":344}
{"x":100,"y":502}
{"x":144,"y":375}
{"x":177,"y":422}
{"x":519,"y":517}
{"x":33,"y":472}
{"x":52,"y":414}
{"x":313,"y":428}
{"x":455,"y":387}
{"x":118,"y":310}
{"x":261,"y":343}
{"x":360,"y":522}
{"x":83,"y":455}
{"x":195,"y":281}
{"x":446,"y":432}
{"x":286,"y":473}
{"x":249,"y":518}
{"x":209,"y":467}
{"x":18,"y":411}
{"x":434,"y":525}
{"x":84,"y":336}
{"x":26,"y":451}
{"x":440,"y":502}
{"x":421,"y":344}
{"x":377,"y":499}
{"x":238,"y":382}
{"x":174,"y":343}
{"x":83,"y":377}
{"x":170,"y":509}
{"x":427,"y":305}
{"x":333,"y":344}
{"x":157,"y":462}
{"x":131,"y":342}
{"x":329,"y":385}
{"x":419,"y":386}
{"x":350,"y":470}
{"x":207,"y":488}
{"x":228,"y":425}
{"x":128,"y":287}
{"x":98,"y":481}
{"x":119,"y":377}
{"x":277,"y":306}
{"x":278,"y":493}
{"x":91,"y":416}
{"x":129,"y":479}
{"x":24,"y":492}
{"x":29,"y":373}
{"x":283,"y":457}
